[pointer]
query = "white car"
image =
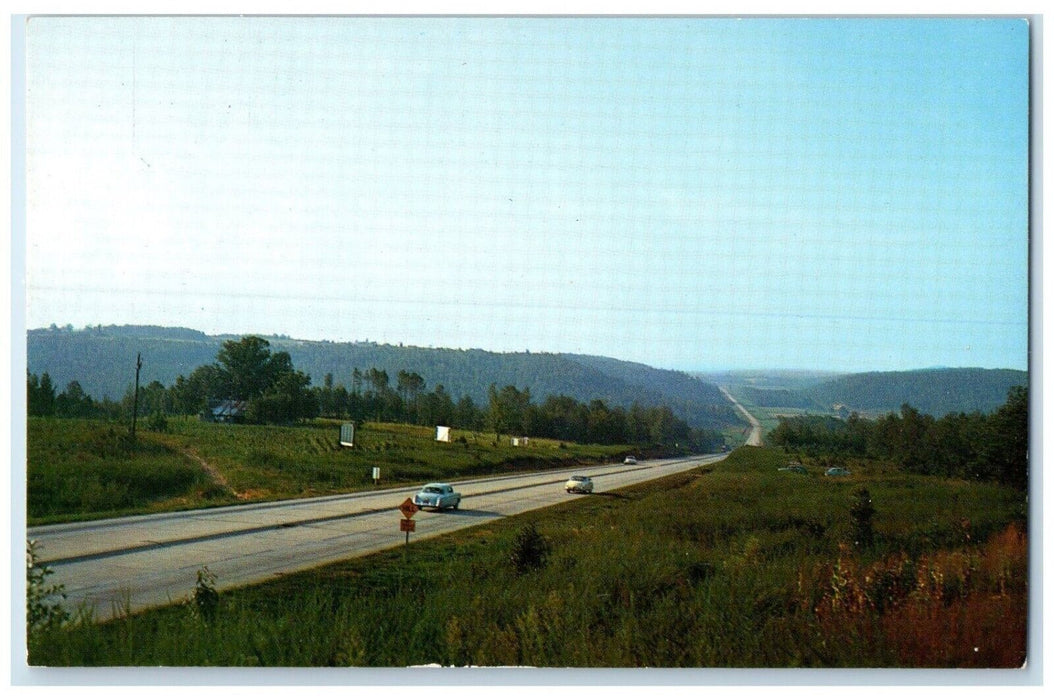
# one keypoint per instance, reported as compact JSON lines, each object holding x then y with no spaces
{"x":438,"y":496}
{"x":630,"y":460}
{"x":579,"y":484}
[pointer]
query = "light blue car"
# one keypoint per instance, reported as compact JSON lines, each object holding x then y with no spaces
{"x":438,"y":495}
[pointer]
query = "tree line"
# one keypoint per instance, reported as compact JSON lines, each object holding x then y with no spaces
{"x":273,"y":391}
{"x":980,"y":446}
{"x":98,"y":357}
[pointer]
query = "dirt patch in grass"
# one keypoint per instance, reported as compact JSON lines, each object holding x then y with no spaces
{"x":214,"y":474}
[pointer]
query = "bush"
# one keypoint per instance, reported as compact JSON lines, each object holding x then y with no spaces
{"x":530,"y":550}
{"x":43,"y":601}
{"x":157,"y":422}
{"x":860,"y":513}
{"x":206,"y":597}
{"x":111,"y":444}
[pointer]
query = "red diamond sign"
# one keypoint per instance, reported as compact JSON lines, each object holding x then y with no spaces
{"x":408,"y":508}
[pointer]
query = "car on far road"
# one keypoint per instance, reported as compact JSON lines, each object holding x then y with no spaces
{"x":579,"y":484}
{"x":438,"y":495}
{"x":837,"y":471}
{"x":630,"y":460}
{"x":795,"y":468}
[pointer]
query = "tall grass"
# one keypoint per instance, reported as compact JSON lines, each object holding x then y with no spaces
{"x":730,"y":566}
{"x":79,"y":469}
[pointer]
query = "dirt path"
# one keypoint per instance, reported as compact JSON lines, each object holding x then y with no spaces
{"x":754,"y":439}
{"x":214,"y":474}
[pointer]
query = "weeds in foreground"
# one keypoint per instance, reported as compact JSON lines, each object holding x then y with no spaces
{"x":959,"y":608}
{"x":44,"y":601}
{"x":206,"y":597}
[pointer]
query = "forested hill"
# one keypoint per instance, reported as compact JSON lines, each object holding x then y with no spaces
{"x":103,"y":358}
{"x":936,"y":392}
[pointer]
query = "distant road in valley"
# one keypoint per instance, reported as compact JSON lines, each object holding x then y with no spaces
{"x":129,"y":564}
{"x":754,"y":439}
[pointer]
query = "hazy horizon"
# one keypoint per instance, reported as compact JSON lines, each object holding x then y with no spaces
{"x":687,"y":370}
{"x":699,"y":194}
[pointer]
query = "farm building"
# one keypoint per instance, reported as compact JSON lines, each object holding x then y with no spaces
{"x":225,"y":411}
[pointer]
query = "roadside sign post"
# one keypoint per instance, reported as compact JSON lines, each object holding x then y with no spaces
{"x":376,"y":475}
{"x":407,"y":525}
{"x":408,"y":508}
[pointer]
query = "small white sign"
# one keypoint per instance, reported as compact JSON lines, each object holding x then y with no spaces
{"x":442,"y":433}
{"x":347,"y":434}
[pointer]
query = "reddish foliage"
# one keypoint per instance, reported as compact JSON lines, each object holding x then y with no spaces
{"x":964,"y":608}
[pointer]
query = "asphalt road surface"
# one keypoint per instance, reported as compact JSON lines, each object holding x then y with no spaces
{"x":754,"y":438}
{"x":128,"y":564}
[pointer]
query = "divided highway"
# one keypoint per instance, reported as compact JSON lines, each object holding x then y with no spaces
{"x":129,"y":564}
{"x":754,"y":438}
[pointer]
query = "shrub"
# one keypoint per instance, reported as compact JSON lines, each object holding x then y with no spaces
{"x":111,"y":444}
{"x":43,"y":601}
{"x":206,"y":597}
{"x":860,"y":513}
{"x":157,"y":422}
{"x":530,"y":550}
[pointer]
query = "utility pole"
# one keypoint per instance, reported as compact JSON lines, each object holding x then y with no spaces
{"x":135,"y":399}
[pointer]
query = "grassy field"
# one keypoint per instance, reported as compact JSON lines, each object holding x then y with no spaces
{"x":83,"y":469}
{"x":769,"y":416}
{"x":733,"y":565}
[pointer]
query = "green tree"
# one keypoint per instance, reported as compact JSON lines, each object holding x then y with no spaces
{"x":276,"y":392}
{"x":507,"y":410}
{"x":436,"y":408}
{"x":73,"y":402}
{"x":327,"y":397}
{"x":1007,"y":449}
{"x":153,"y":398}
{"x":564,"y":418}
{"x":378,"y":380}
{"x":40,"y":395}
{"x":191,"y":395}
{"x":409,"y":385}
{"x":247,"y":366}
{"x":912,"y":448}
{"x":467,"y":415}
{"x":287,"y":401}
{"x":605,"y":426}
{"x":380,"y":401}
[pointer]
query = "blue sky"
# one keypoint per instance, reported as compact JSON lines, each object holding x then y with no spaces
{"x":690,"y":193}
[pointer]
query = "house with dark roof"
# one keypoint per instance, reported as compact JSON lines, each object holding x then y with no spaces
{"x":225,"y":411}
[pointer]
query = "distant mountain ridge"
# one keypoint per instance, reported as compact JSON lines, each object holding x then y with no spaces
{"x":936,"y":392}
{"x":102,"y":359}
